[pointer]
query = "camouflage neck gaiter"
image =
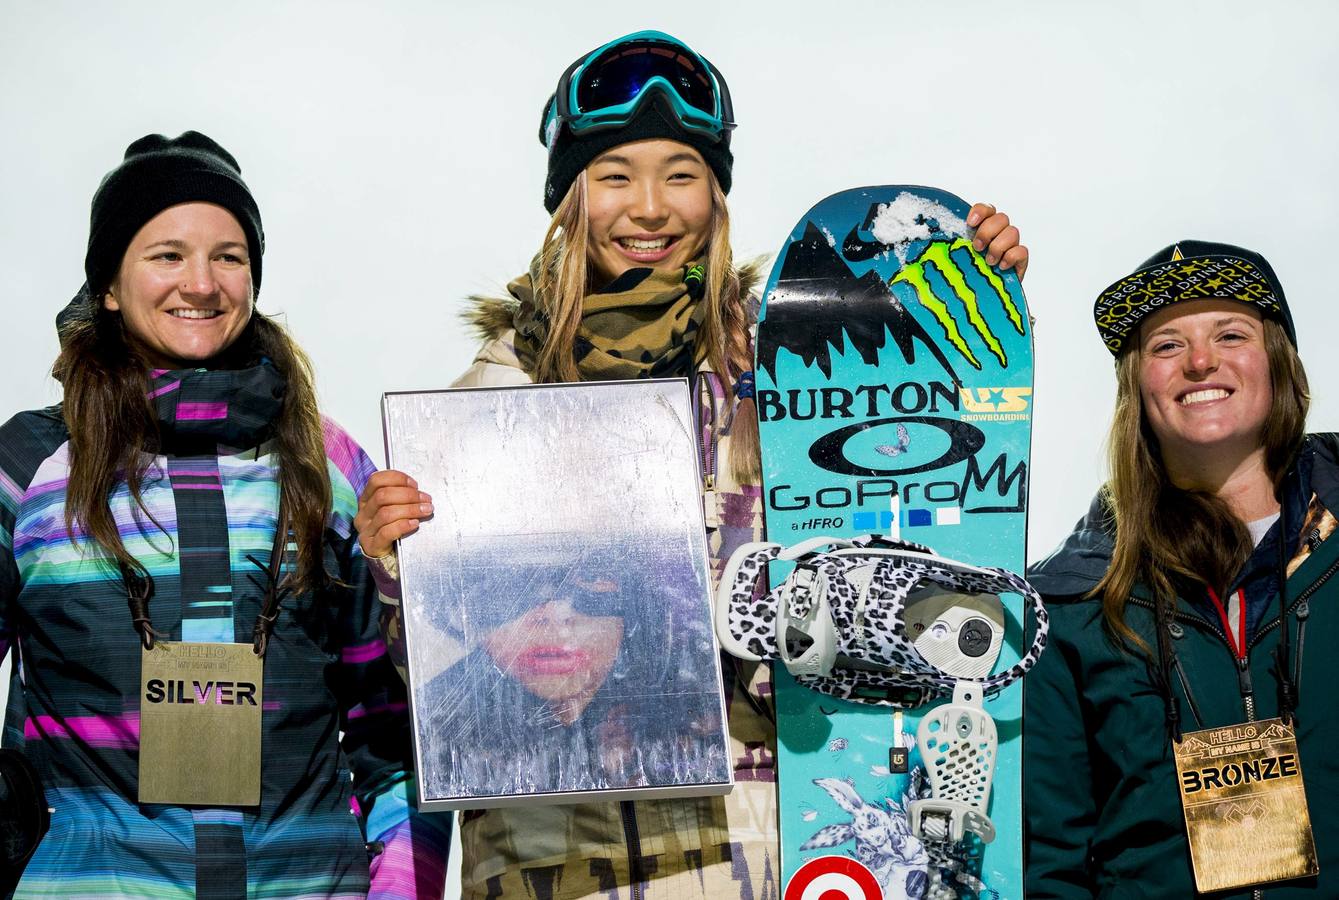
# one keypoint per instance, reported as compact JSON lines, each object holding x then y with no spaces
{"x":643,"y":324}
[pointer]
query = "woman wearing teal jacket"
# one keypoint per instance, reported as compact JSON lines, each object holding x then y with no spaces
{"x":1166,"y":615}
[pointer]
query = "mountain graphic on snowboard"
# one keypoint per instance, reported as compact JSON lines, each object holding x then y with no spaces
{"x":814,"y":279}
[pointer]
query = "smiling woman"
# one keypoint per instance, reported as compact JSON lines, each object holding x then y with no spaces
{"x":649,"y":204}
{"x":1179,"y":607}
{"x":184,"y":286}
{"x":635,"y":279}
{"x":183,"y":518}
{"x":1204,"y":383}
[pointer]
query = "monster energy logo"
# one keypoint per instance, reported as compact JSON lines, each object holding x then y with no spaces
{"x":938,"y":255}
{"x":694,"y":276}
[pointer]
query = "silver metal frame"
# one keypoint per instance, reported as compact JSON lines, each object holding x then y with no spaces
{"x":626,"y":445}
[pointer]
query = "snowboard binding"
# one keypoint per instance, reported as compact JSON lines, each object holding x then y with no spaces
{"x":890,"y":623}
{"x":958,"y":743}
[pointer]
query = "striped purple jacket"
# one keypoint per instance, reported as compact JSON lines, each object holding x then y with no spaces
{"x":335,"y":736}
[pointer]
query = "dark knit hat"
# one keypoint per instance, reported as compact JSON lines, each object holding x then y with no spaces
{"x":159,"y":172}
{"x":570,"y":154}
{"x":1190,"y":270}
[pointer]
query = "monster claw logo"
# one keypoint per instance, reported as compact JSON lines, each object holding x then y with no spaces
{"x":939,"y":257}
{"x":815,"y":272}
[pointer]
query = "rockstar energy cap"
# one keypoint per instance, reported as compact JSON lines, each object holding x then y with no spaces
{"x":1190,"y":270}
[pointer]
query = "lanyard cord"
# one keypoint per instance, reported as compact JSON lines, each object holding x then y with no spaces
{"x":275,"y":592}
{"x":1162,"y":615}
{"x":1287,"y":676}
{"x":1285,"y":669}
{"x":139,"y":591}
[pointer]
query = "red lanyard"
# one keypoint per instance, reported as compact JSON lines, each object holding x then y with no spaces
{"x":1238,"y":642}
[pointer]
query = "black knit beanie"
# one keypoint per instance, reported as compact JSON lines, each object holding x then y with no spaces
{"x":570,"y":154}
{"x":159,"y":172}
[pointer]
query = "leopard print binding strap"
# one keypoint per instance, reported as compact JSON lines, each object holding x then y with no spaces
{"x":849,"y":598}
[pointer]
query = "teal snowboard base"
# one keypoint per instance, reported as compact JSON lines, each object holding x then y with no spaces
{"x":894,"y":382}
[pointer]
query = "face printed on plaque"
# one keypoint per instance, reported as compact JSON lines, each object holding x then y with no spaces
{"x":563,"y":647}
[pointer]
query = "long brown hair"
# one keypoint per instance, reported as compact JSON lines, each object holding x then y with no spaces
{"x":1167,"y":537}
{"x":565,"y":280}
{"x":114,"y":433}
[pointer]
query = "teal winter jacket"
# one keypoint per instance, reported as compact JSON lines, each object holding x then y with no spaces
{"x":1103,"y":810}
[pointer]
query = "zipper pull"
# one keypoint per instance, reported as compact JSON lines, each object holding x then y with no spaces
{"x":1244,"y":676}
{"x":711,"y":507}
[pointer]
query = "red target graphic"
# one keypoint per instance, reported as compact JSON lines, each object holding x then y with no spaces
{"x":833,"y":878}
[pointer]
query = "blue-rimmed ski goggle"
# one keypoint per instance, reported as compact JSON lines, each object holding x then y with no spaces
{"x":606,"y":88}
{"x":507,"y":595}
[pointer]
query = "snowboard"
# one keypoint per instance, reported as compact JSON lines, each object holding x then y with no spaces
{"x":894,"y":383}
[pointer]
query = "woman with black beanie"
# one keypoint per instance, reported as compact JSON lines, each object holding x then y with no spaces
{"x":636,"y":279}
{"x":199,"y":679}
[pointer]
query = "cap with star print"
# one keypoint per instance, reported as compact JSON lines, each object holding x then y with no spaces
{"x":1189,"y":270}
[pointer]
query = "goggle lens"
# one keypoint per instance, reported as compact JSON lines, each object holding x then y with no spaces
{"x":618,"y":76}
{"x":519,"y":591}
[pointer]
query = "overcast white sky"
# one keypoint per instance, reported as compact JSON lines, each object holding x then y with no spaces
{"x":392,"y":148}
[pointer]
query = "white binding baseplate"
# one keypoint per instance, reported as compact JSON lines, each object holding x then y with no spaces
{"x":958,"y":746}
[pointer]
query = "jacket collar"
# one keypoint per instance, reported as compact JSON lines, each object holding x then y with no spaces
{"x":234,"y":407}
{"x":1076,"y":566}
